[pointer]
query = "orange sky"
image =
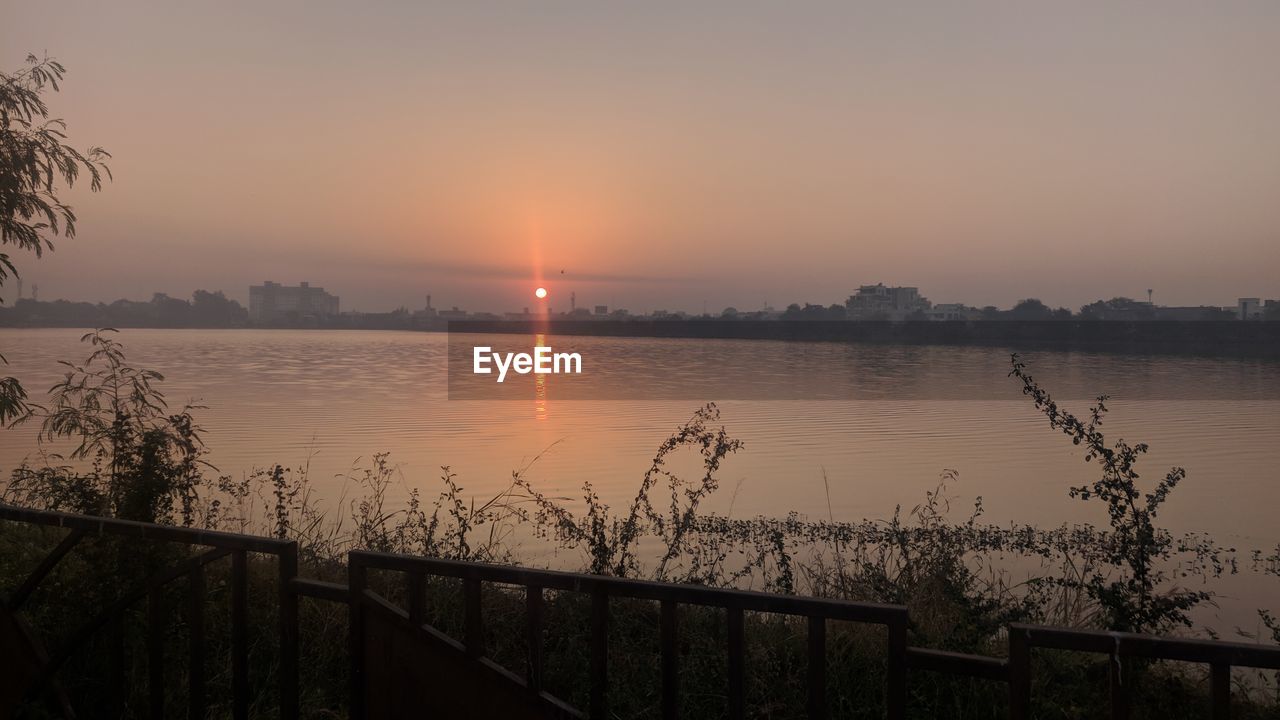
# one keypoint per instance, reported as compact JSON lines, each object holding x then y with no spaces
{"x":664,"y":156}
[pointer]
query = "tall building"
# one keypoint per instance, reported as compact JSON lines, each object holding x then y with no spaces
{"x":1249,"y":308}
{"x":273,"y":302}
{"x":891,"y":303}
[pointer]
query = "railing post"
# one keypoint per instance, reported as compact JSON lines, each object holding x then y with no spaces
{"x":670,"y":661}
{"x":240,"y":635}
{"x":195,"y":637}
{"x":817,"y":667}
{"x":1119,"y":686}
{"x":1220,"y":679}
{"x":288,"y":571}
{"x":155,"y":651}
{"x":416,"y":589}
{"x":1019,"y":674}
{"x":356,"y":580}
{"x":474,"y":630}
{"x":533,"y":610}
{"x":737,"y":652}
{"x":896,"y":680}
{"x":599,"y":653}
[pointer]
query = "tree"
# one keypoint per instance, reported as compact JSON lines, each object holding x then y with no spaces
{"x":213,"y":309}
{"x":1136,"y":598}
{"x":35,"y":161}
{"x":1118,"y":308}
{"x":1031,"y":309}
{"x":143,"y":461}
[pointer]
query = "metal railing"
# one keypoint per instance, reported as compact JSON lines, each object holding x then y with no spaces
{"x":192,"y":569}
{"x":1218,"y":655}
{"x":1015,"y":670}
{"x":669,"y":596}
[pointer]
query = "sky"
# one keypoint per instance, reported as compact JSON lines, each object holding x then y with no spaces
{"x":668,"y":155}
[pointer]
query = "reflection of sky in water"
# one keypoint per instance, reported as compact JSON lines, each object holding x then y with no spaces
{"x":334,"y":397}
{"x":686,"y":369}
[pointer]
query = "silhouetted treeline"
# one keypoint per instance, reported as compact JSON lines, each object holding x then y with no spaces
{"x":204,"y":310}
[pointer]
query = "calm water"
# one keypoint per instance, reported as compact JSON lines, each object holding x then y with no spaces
{"x":330,"y":398}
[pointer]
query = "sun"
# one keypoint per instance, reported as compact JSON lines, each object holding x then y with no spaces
{"x":540,"y":293}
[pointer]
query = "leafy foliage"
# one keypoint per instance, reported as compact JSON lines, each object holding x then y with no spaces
{"x":1137,"y":599}
{"x":610,"y":540}
{"x":145,"y":463}
{"x":34,"y":160}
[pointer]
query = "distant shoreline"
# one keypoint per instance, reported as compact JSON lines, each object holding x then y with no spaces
{"x":1240,"y":339}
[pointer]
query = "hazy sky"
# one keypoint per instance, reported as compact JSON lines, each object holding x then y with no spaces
{"x":667,"y":154}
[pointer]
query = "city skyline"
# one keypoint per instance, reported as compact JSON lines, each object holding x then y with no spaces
{"x":272,"y":301}
{"x":670,"y":156}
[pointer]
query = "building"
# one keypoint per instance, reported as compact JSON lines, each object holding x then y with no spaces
{"x":877,"y":302}
{"x":1249,"y":309}
{"x":273,"y":302}
{"x":952,"y":312}
{"x":1192,"y":312}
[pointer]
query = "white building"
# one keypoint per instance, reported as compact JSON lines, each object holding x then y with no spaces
{"x":881,"y":302}
{"x":273,"y":302}
{"x":952,"y":311}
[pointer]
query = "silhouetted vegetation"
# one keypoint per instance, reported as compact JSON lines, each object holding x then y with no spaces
{"x":204,"y":310}
{"x":126,"y":455}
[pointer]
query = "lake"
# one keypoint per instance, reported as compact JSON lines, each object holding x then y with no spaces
{"x":330,"y":398}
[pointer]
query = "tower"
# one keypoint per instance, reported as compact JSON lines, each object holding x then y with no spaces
{"x":428,"y":302}
{"x":1149,"y":301}
{"x":573,"y":301}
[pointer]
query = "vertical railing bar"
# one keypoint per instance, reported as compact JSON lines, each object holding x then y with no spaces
{"x":599,"y":653}
{"x":1119,"y":687}
{"x":817,"y":679}
{"x":533,"y":611}
{"x":118,"y":692}
{"x":1019,"y":675}
{"x":474,"y":631}
{"x":896,"y":681}
{"x":155,"y":651}
{"x":240,"y":635}
{"x":288,"y":571}
{"x":195,"y":638}
{"x":670,"y":661}
{"x":416,"y":589}
{"x":356,"y":581}
{"x":737,"y":701}
{"x":1220,"y":680}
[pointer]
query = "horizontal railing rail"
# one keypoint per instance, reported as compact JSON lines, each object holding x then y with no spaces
{"x":954,"y":663}
{"x":146,"y":531}
{"x":1219,"y":655}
